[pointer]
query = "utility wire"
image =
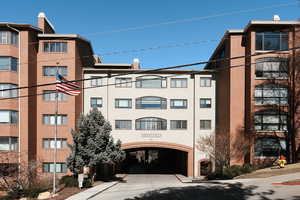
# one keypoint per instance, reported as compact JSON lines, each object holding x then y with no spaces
{"x":122,"y":52}
{"x":134,"y":81}
{"x":190,"y":19}
{"x":152,"y":70}
{"x":181,"y":21}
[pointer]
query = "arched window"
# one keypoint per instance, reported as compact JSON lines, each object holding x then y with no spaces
{"x":151,"y":82}
{"x":271,"y":67}
{"x":271,"y":94}
{"x":269,"y":147}
{"x":150,"y":123}
{"x":270,"y":120}
{"x":151,"y":102}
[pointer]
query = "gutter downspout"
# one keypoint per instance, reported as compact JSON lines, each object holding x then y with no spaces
{"x":19,"y":91}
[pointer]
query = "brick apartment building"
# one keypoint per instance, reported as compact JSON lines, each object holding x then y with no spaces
{"x":255,"y":102}
{"x":252,"y":101}
{"x":29,"y":55}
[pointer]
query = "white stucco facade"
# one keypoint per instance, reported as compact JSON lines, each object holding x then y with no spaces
{"x":109,"y":92}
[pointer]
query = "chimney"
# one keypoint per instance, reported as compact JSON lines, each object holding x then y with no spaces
{"x":97,"y":59}
{"x":135,"y":64}
{"x":45,"y":24}
{"x":276,"y":18}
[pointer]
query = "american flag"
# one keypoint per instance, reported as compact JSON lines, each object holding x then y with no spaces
{"x":62,"y":85}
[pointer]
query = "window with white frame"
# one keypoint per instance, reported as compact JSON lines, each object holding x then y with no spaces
{"x":8,"y":63}
{"x":49,"y":119}
{"x":123,"y":124}
{"x":123,"y":82}
{"x":55,"y":46}
{"x":8,"y":93}
{"x":49,"y":167}
{"x":270,"y":120}
{"x":51,"y":70}
{"x":50,"y":95}
{"x":96,"y":102}
{"x":205,"y":82}
{"x":96,"y":81}
{"x":49,"y":143}
{"x":151,"y":82}
{"x":151,"y":102}
{"x":178,"y":82}
{"x":9,"y":37}
{"x":271,"y":67}
{"x":271,"y":94}
{"x":8,"y":117}
{"x":151,"y":123}
{"x":8,"y":143}
{"x":178,"y":103}
{"x":266,"y":41}
{"x":205,"y":124}
{"x":205,"y":102}
{"x":123,"y":103}
{"x":178,"y":124}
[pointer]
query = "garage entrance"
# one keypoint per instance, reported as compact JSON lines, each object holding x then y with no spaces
{"x":152,"y":160}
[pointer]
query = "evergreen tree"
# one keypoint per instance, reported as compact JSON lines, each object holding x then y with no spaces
{"x":93,"y":144}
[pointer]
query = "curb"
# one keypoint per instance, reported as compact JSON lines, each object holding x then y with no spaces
{"x":102,"y":190}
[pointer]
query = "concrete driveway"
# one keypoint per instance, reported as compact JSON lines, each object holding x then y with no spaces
{"x":167,"y":187}
{"x":136,"y":184}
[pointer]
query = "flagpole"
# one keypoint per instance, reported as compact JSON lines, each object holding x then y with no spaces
{"x":55,"y":137}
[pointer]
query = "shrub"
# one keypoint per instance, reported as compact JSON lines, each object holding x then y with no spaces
{"x":69,"y":181}
{"x":247,"y":168}
{"x":232,"y":171}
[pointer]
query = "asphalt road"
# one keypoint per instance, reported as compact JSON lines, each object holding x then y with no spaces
{"x":167,"y":187}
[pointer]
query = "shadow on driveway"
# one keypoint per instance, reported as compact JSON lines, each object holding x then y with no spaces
{"x":215,"y":191}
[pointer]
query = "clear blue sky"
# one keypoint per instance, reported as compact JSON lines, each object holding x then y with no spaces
{"x":91,"y":18}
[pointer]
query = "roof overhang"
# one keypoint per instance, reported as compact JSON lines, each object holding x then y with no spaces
{"x":20,"y":26}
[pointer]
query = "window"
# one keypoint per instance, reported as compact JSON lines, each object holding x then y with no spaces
{"x":123,"y":103}
{"x":151,"y":82}
{"x":49,"y":143}
{"x":178,"y":103}
{"x":178,"y":124}
{"x":96,"y":81}
{"x":8,"y":63}
{"x":205,"y":82}
{"x":8,"y":117}
{"x":8,"y":37}
{"x":270,"y":120}
{"x":8,"y":143}
{"x":151,"y":102}
{"x":178,"y":83}
{"x":51,"y":70}
{"x":271,"y":41}
{"x":205,"y":124}
{"x":55,"y":47}
{"x":96,"y":102}
{"x":8,"y":93}
{"x":50,"y":119}
{"x":205,"y":103}
{"x":49,"y":95}
{"x":151,"y":123}
{"x":271,"y":67}
{"x":49,"y":167}
{"x":123,"y":82}
{"x":123,"y":124}
{"x":271,"y":94}
{"x":269,"y":147}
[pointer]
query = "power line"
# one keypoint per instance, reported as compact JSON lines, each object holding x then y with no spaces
{"x":154,"y":70}
{"x":123,"y":52}
{"x":180,"y":21}
{"x":190,"y":19}
{"x":134,"y":81}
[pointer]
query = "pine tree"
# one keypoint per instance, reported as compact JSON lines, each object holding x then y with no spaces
{"x":93,"y":144}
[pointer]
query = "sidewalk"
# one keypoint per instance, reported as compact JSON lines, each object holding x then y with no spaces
{"x":89,"y":193}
